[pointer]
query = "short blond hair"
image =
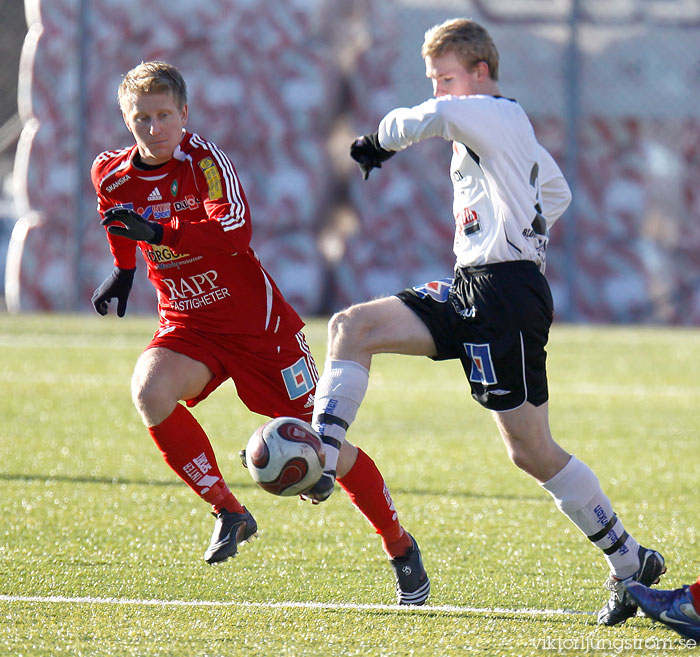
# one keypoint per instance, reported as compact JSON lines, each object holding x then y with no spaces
{"x":467,"y":39}
{"x":151,"y":78}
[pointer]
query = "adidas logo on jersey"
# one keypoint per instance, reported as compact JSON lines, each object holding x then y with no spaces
{"x":154,"y":195}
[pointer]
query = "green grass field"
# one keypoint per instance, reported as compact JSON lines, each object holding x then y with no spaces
{"x":101,"y":545}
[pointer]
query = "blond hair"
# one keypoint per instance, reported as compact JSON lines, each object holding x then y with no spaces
{"x":151,"y":78}
{"x":468,"y":40}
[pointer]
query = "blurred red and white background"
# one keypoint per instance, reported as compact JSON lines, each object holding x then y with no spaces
{"x":283,"y":87}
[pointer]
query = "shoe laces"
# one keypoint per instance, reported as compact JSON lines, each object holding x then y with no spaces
{"x":617,"y":591}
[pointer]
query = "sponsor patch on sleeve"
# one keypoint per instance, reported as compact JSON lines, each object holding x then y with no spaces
{"x":211,"y":173}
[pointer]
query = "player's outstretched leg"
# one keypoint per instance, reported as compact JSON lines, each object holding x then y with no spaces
{"x":339,"y":394}
{"x":367,"y":490}
{"x":577,"y":493}
{"x":187,"y":450}
{"x":621,"y":605}
{"x":230,"y":530}
{"x":677,"y":609}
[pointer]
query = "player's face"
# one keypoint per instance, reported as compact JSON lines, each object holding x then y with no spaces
{"x":156,"y":123}
{"x":450,"y":77}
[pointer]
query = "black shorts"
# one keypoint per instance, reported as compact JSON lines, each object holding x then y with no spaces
{"x":496,"y":320}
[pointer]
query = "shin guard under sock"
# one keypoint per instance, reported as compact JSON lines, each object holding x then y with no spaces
{"x":339,"y":393}
{"x":187,"y":450}
{"x":365,"y":486}
{"x":577,"y":494}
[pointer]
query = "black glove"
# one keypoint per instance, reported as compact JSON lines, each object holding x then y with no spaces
{"x":368,"y":154}
{"x":135,"y":226}
{"x":116,"y":286}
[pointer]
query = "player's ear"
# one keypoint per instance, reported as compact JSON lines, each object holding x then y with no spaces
{"x":482,"y":68}
{"x":184,"y":114}
{"x":126,"y":122}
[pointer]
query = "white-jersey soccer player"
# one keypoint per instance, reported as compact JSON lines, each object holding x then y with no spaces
{"x":496,"y":314}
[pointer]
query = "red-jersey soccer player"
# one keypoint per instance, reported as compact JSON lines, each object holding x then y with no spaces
{"x":178,"y":197}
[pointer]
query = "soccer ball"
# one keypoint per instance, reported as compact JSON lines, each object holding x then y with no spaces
{"x":285,"y":456}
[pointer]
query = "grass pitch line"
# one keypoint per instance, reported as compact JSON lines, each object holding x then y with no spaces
{"x":323,"y":606}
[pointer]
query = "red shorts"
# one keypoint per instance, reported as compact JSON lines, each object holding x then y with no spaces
{"x":274,"y":375}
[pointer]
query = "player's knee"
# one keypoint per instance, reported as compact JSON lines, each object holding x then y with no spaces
{"x":343,"y":328}
{"x":350,"y":327}
{"x":540,"y":457}
{"x":140,"y":395}
{"x":149,"y":399}
{"x":521,"y":460}
{"x":523,"y":455}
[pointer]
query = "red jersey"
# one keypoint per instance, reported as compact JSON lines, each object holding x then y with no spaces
{"x":205,"y":272}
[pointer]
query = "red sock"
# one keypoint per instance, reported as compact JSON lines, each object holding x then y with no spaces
{"x":695,"y":592}
{"x":365,"y":486}
{"x":187,"y":450}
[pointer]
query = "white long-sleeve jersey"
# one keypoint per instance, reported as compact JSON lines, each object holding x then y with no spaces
{"x":508,"y":190}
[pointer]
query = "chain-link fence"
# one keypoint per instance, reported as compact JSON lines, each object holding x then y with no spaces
{"x":282,"y":87}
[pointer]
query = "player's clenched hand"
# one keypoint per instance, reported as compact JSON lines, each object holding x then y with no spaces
{"x":321,"y":490}
{"x":368,"y":154}
{"x":116,"y":286}
{"x":127,"y":223}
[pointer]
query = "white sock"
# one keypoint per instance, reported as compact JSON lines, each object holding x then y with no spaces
{"x":339,"y":393}
{"x":577,"y":493}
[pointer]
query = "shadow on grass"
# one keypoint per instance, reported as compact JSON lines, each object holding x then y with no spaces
{"x":561,"y":618}
{"x":116,"y":481}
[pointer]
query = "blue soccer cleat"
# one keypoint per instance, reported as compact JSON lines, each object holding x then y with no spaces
{"x":675,"y":609}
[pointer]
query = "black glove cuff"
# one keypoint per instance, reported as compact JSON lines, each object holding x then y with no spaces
{"x":126,"y":275}
{"x":383,"y":154}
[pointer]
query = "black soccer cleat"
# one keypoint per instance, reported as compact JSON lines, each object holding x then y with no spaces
{"x":321,"y":490}
{"x":412,"y":583}
{"x":230,"y":530}
{"x":621,"y":605}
